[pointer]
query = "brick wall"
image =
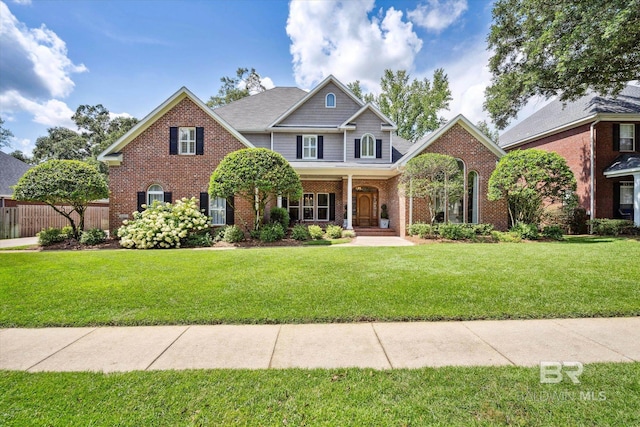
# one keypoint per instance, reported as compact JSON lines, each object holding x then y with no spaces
{"x":459,"y":143}
{"x":146,"y":161}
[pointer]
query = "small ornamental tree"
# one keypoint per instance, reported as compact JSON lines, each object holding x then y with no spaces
{"x":66,"y":185}
{"x":257,"y":175}
{"x":528,"y":179}
{"x":435,"y":178}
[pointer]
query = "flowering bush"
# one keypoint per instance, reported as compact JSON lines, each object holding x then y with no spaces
{"x":162,"y":225}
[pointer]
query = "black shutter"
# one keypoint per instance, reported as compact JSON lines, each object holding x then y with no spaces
{"x":321,"y":147}
{"x":173,"y":140}
{"x":204,"y":203}
{"x":168,"y":197}
{"x":230,"y":211}
{"x":378,"y":148}
{"x":357,"y":149}
{"x":637,"y":139}
{"x":298,"y":146}
{"x":142,"y":196}
{"x":616,"y":137}
{"x":332,"y":206}
{"x":616,"y":200}
{"x":199,"y":141}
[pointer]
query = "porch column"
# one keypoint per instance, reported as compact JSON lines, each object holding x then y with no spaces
{"x":279,"y":202}
{"x":636,"y":198}
{"x":410,"y":202}
{"x":349,"y":202}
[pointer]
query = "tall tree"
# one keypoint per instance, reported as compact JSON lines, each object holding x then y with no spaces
{"x":414,"y":105}
{"x":99,"y":128}
{"x":5,"y":134}
{"x":528,"y":179}
{"x":62,"y":144}
{"x":257,"y":175}
{"x":246,"y":82}
{"x":357,"y":91}
{"x":490,"y":133}
{"x":561,"y":48}
{"x":437,"y":178}
{"x":18,"y":154}
{"x":66,"y":185}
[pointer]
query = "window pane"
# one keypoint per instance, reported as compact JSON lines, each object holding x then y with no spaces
{"x":626,"y":137}
{"x":626,"y":131}
{"x":307,"y":199}
{"x":308,"y":214}
{"x":218,"y":211}
{"x":368,"y":146}
{"x":294,"y":213}
{"x":323,"y":214}
{"x":626,"y":194}
{"x":323,"y":199}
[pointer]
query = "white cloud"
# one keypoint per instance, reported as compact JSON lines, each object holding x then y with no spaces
{"x":113,"y":115}
{"x":267,"y":83}
{"x":52,"y":112}
{"x":436,"y":15}
{"x":23,"y":2}
{"x":340,"y":38}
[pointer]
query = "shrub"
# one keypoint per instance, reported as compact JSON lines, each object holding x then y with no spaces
{"x":350,"y":234}
{"x":456,"y":231}
{"x":422,"y":230}
{"x":218,"y":233}
{"x":162,"y":225}
{"x":614,"y":227}
{"x":271,"y":232}
{"x":67,"y":232}
{"x":333,"y":231}
{"x":49,"y":236}
{"x":233,"y":234}
{"x":315,"y":231}
{"x":280,"y":215}
{"x":553,"y":232}
{"x":483,"y":229}
{"x":300,"y":232}
{"x":198,"y":240}
{"x":525,"y":231}
{"x":93,"y":237}
{"x":509,"y":237}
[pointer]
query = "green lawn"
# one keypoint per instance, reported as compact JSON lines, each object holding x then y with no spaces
{"x":581,"y":277}
{"x":608,"y":395}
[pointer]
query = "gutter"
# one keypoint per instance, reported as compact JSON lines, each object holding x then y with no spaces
{"x":592,"y":187}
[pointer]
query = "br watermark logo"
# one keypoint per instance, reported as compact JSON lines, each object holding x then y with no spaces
{"x":553,"y":372}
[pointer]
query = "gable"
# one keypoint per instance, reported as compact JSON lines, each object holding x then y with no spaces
{"x":113,"y":154}
{"x":313,"y":112}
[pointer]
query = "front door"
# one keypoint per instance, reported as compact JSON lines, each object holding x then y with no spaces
{"x":364,"y":216}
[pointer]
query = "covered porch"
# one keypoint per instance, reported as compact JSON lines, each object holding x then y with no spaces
{"x":626,"y":192}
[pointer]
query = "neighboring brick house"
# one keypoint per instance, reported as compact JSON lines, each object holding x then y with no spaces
{"x":346,"y":152}
{"x":593,"y":130}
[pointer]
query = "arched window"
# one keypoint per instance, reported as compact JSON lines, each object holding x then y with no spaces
{"x":455,"y":211}
{"x":330,"y":101}
{"x":155,"y":192}
{"x":472,"y":197}
{"x":368,"y":147}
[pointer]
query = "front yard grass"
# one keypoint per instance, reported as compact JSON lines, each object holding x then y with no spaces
{"x":582,"y":277}
{"x":608,"y":395}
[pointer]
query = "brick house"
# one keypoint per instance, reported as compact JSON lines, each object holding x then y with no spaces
{"x":346,"y":152}
{"x":593,"y":130}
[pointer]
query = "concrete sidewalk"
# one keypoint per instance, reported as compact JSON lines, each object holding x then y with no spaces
{"x":22,"y":241}
{"x":370,"y":345}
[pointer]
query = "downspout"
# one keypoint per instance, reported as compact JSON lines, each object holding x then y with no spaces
{"x":592,"y":174}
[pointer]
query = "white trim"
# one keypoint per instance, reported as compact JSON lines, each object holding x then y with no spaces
{"x":112,"y":156}
{"x":150,"y":192}
{"x":222,"y":209}
{"x":189,"y":141}
{"x":318,"y":207}
{"x":370,"y":156}
{"x":310,"y":147}
{"x":623,"y":172}
{"x":369,"y":106}
{"x":633,"y":138}
{"x":326,"y":100}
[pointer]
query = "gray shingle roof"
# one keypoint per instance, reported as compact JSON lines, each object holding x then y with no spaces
{"x":257,"y":112}
{"x":624,"y":162}
{"x":555,"y":114}
{"x":400,"y":147}
{"x":11,"y":170}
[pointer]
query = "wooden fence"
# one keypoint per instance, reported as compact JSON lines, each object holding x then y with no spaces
{"x":27,"y":220}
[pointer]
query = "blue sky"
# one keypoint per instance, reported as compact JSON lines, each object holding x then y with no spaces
{"x":131,"y":55}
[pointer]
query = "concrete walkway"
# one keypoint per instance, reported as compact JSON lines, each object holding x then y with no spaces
{"x":370,"y":345}
{"x":377,"y":241}
{"x":23,"y":241}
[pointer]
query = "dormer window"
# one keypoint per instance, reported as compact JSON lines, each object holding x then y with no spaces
{"x":330,"y":101}
{"x":368,"y":147}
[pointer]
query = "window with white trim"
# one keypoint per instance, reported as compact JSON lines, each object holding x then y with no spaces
{"x":330,"y":101}
{"x":187,"y":140}
{"x":368,"y":147}
{"x":154,"y":192}
{"x":218,"y":211}
{"x":627,"y":137}
{"x":294,"y":209}
{"x":626,"y":193}
{"x":308,"y":205}
{"x":323,"y":206}
{"x":309,"y":146}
